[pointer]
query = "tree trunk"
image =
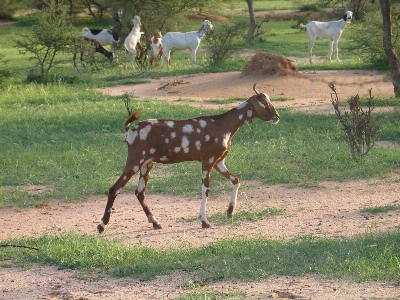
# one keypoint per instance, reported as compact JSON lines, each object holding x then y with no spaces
{"x":393,"y":59}
{"x":253,"y":25}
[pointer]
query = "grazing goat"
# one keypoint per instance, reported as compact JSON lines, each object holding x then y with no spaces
{"x":98,"y":48}
{"x":106,"y":36}
{"x":133,"y":38}
{"x":179,"y":41}
{"x":156,"y":47}
{"x":205,"y":139}
{"x":326,"y":30}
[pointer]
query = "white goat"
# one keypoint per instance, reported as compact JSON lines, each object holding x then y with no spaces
{"x":206,"y":139}
{"x":179,"y":41}
{"x":326,"y":30}
{"x":106,"y":36}
{"x":156,"y":47}
{"x":133,"y":38}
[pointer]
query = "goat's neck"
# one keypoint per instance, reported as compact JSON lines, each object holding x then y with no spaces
{"x":235,"y":118}
{"x":201,"y":32}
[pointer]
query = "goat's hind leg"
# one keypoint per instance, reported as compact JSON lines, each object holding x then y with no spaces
{"x":112,"y":194}
{"x":221,"y":168}
{"x":141,"y":193}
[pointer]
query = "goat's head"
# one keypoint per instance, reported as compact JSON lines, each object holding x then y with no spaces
{"x":117,"y":16}
{"x":348,"y":16}
{"x":136,"y":21}
{"x":263,"y":107}
{"x":207,"y":25}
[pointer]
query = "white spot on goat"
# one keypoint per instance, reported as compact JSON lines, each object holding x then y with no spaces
{"x":141,"y":184}
{"x":152,"y":150}
{"x":216,"y":140}
{"x":221,"y":166}
{"x":164,"y":158}
{"x":198,"y":145}
{"x":143,"y":170}
{"x":170,"y":123}
{"x":153,"y":121}
{"x":240,"y":116}
{"x":144,"y":131}
{"x":135,"y":169}
{"x":188,"y":128}
{"x":198,"y":130}
{"x":249,"y":113}
{"x":185,"y":144}
{"x":225,"y":140}
{"x":177,"y":149}
{"x":167,"y":140}
{"x":124,"y":178}
{"x":173,"y":135}
{"x":205,"y":174}
{"x":131,"y":136}
{"x":207,"y":138}
{"x":203,"y":123}
{"x":241,"y":105}
{"x":211,"y":160}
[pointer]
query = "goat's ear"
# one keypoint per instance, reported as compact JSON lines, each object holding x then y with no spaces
{"x":259,"y":106}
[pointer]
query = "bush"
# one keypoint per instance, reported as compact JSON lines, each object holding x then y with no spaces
{"x":51,"y":36}
{"x":222,"y":41}
{"x":367,"y":38}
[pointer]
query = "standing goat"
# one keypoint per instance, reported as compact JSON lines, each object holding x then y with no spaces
{"x":179,"y":41}
{"x":205,"y":139}
{"x":156,"y":47}
{"x":98,"y":48}
{"x":106,"y":36}
{"x":133,"y":38}
{"x":326,"y":30}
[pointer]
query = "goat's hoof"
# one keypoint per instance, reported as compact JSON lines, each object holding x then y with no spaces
{"x":205,"y":225}
{"x":100,"y":228}
{"x":229,"y":212}
{"x":157,"y":226}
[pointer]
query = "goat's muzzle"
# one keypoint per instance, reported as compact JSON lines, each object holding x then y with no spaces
{"x":275,"y":119}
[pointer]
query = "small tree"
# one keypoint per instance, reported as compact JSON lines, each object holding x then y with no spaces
{"x":51,"y":36}
{"x":359,"y":125}
{"x":223,"y":40}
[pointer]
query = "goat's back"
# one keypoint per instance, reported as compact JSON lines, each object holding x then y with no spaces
{"x":170,"y":141}
{"x":180,"y":40}
{"x":324,"y":30}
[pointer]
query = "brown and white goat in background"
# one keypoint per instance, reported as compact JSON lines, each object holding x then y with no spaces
{"x":205,"y":139}
{"x":156,"y":48}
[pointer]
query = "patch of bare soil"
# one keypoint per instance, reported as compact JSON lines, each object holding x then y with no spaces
{"x":330,"y":209}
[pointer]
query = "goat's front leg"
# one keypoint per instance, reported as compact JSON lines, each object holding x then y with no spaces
{"x":141,"y":193}
{"x":204,"y":194}
{"x":221,"y":168}
{"x":330,"y":49}
{"x":112,"y":194}
{"x":335,"y":45}
{"x":194,"y":57}
{"x":310,"y":46}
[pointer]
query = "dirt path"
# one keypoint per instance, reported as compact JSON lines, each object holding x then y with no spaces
{"x":331,"y":209}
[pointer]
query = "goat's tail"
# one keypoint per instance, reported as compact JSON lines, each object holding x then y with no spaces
{"x":133,"y":117}
{"x":302,"y":26}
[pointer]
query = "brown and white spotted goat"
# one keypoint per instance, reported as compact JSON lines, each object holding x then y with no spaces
{"x":206,"y":139}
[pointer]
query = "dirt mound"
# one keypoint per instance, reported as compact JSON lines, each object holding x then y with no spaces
{"x":265,"y":63}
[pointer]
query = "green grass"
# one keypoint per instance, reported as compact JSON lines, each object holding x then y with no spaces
{"x":367,"y":258}
{"x":53,"y":135}
{"x":241,"y":216}
{"x":380,"y":209}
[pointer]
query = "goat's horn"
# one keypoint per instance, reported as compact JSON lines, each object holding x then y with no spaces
{"x":254,"y":88}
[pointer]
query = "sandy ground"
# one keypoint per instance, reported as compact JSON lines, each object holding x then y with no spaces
{"x":330,"y":209}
